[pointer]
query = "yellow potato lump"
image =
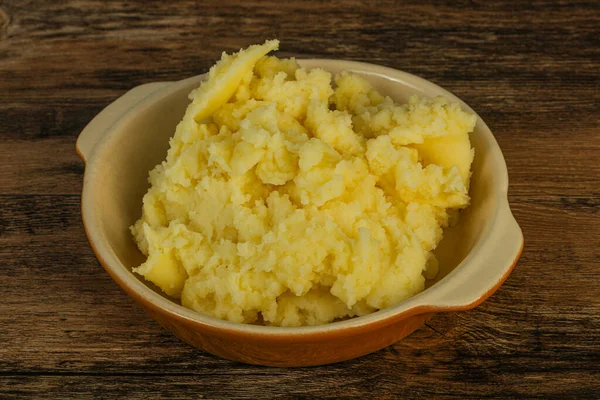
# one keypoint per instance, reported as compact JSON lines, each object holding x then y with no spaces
{"x":290,"y":197}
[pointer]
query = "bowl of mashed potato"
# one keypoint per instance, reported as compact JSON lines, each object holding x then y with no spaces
{"x":297,"y":212}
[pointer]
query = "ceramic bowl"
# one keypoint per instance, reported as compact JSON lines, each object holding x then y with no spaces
{"x":130,"y":136}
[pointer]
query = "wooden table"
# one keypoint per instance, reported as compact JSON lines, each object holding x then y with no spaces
{"x":530,"y":70}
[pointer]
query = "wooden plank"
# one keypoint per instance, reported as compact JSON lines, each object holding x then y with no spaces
{"x":44,"y":166}
{"x":323,"y":383}
{"x":48,"y":163}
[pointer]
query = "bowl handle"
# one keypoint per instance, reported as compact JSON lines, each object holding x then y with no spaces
{"x":95,"y":130}
{"x":487,"y":270}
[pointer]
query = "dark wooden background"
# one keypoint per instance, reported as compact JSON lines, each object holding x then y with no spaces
{"x":531,"y":70}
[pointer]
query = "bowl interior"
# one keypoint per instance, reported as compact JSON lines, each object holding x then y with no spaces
{"x":119,"y":175}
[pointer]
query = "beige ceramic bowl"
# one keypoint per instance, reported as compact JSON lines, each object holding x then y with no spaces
{"x":131,"y":136}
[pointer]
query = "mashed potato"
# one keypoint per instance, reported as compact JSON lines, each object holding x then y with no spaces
{"x":288,"y":200}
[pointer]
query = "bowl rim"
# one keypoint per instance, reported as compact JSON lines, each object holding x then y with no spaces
{"x":502,"y":226}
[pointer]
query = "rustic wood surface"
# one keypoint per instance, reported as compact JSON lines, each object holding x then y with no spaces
{"x":531,"y":70}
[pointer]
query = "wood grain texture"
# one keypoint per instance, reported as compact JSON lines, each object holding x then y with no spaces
{"x":530,"y":69}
